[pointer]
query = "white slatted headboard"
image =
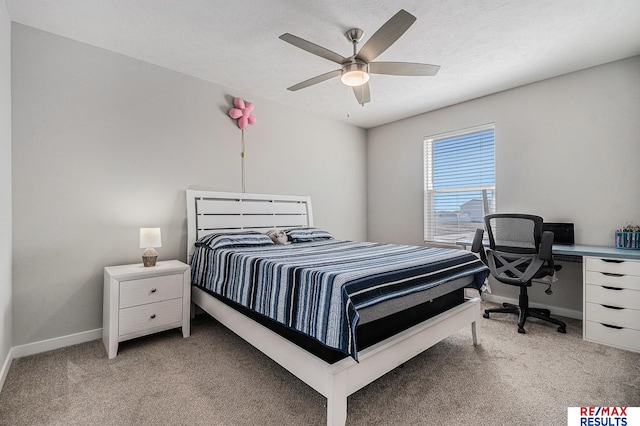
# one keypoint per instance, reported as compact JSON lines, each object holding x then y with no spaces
{"x":210,"y":211}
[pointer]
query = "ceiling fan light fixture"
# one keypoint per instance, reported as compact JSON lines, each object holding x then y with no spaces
{"x":354,"y":74}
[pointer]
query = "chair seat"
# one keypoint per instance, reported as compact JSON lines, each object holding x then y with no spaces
{"x":546,"y":271}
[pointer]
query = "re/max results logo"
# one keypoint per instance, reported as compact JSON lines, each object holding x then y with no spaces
{"x":603,"y":416}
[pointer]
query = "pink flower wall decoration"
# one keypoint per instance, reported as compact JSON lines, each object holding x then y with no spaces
{"x":242,"y":113}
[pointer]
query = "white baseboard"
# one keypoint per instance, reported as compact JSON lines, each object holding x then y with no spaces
{"x":5,"y":368}
{"x":56,"y":343}
{"x":569,"y":313}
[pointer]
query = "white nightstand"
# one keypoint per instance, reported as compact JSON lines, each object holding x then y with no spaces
{"x":142,"y":300}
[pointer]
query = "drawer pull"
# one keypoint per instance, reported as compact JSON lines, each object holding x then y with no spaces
{"x":612,"y":260}
{"x":617,"y":308}
{"x":612,"y":326}
{"x":153,"y":316}
{"x":153,"y":290}
{"x":611,"y":288}
{"x":611,"y":274}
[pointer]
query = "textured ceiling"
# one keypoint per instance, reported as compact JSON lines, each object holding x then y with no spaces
{"x":483,"y":46}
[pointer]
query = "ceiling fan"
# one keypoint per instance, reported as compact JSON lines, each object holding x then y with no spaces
{"x":355,"y":69}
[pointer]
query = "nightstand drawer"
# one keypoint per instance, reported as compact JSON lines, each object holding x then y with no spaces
{"x":144,"y":317}
{"x":612,"y":280}
{"x":624,"y":337}
{"x":625,"y":267}
{"x":150,"y":290}
{"x":618,"y":297}
{"x":628,"y":318}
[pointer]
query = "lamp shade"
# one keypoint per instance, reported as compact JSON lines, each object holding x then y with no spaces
{"x":150,"y":237}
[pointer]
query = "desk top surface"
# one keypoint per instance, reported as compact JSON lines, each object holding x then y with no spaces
{"x":602,"y":251}
{"x":585,"y":250}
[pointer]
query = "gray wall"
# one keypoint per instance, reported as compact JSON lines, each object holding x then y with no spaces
{"x":5,"y":185}
{"x":566,"y":148}
{"x":104,"y":144}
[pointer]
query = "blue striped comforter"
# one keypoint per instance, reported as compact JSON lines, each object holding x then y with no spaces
{"x":317,"y":287}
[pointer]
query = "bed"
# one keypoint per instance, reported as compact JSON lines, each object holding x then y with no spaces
{"x":390,"y":330}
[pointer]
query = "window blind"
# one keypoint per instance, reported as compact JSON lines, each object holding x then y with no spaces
{"x":459,"y":183}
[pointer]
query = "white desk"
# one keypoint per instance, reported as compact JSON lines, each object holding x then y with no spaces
{"x":611,"y":293}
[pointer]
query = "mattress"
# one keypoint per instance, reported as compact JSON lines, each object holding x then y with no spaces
{"x":389,"y":307}
{"x":323,"y":289}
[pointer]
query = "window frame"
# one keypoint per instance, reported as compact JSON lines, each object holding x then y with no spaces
{"x":429,"y":192}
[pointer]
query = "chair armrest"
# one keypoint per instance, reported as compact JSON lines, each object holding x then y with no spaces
{"x":476,"y":246}
{"x":546,"y":246}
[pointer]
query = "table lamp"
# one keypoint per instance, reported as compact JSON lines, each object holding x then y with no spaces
{"x":149,"y":239}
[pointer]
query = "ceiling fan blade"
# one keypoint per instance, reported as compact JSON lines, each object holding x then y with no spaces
{"x":363,"y":94}
{"x":313,"y":48}
{"x":315,"y":80}
{"x":403,"y":68}
{"x":386,"y":35}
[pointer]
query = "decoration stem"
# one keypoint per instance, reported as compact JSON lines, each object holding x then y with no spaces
{"x":242,"y":155}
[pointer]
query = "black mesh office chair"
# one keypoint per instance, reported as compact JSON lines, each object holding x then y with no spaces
{"x":518,"y":252}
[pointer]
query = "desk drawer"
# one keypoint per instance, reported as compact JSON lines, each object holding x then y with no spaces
{"x":628,"y":318}
{"x":625,"y":267}
{"x":150,"y":290}
{"x":613,"y":280}
{"x":152,"y":315}
{"x":620,"y":298}
{"x":624,"y":338}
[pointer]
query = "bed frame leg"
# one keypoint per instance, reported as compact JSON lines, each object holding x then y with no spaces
{"x":475,"y":332}
{"x":337,"y":400}
{"x":475,"y":326}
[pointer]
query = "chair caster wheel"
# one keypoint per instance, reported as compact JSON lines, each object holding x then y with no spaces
{"x":485,"y":315}
{"x":521,"y":330}
{"x":562,"y":330}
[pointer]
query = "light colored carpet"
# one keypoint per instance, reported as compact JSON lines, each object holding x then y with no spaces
{"x":215,"y":378}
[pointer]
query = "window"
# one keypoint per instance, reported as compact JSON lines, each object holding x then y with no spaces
{"x":459,"y":183}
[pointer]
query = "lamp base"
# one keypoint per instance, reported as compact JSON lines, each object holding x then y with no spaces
{"x":149,"y":257}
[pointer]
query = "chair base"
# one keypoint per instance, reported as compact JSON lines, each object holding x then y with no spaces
{"x":524,"y":311}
